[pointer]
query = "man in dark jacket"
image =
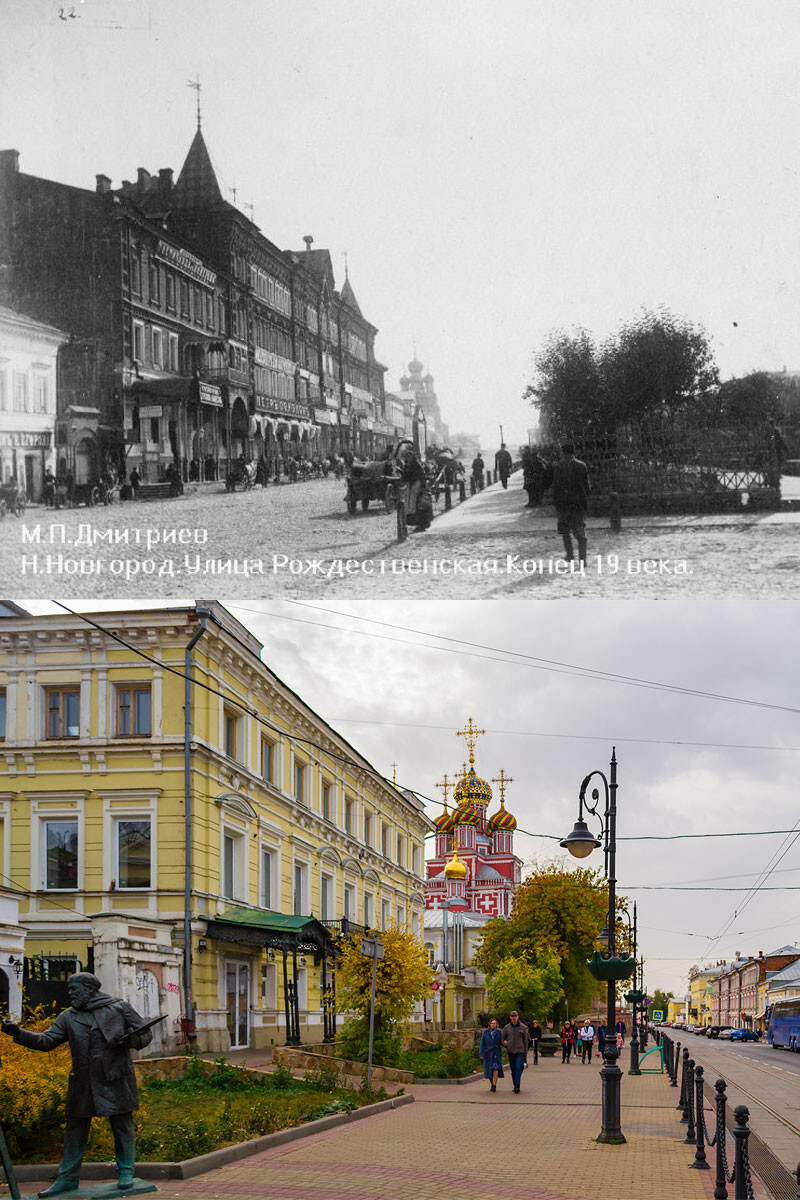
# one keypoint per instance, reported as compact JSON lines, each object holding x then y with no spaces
{"x":571,"y":500}
{"x":101,"y":1032}
{"x":503,"y":463}
{"x":536,"y":1033}
{"x":516,"y":1041}
{"x":477,"y":470}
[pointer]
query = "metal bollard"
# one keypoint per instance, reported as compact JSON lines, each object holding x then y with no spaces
{"x":402,"y":528}
{"x":721,"y":1100}
{"x":743,"y":1190}
{"x":473,"y":487}
{"x":614,"y":513}
{"x":699,"y":1163}
{"x":690,"y":1134}
{"x":448,"y":499}
{"x":683,"y":1059}
{"x":488,"y":478}
{"x":462,"y":491}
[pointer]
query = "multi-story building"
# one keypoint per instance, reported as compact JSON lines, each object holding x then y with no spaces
{"x":700,"y":988}
{"x":28,"y":382}
{"x":473,"y":877}
{"x":202,"y":844}
{"x":739,"y":988}
{"x":192,"y":337}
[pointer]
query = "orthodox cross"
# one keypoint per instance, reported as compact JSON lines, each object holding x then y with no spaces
{"x":444,"y":786}
{"x":251,"y":209}
{"x":503,"y":779}
{"x":344,"y":256}
{"x":197,"y":86}
{"x":233,"y":193}
{"x":470,"y":734}
{"x":394,"y":773}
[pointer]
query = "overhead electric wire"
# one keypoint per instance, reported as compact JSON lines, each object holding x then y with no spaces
{"x":535,"y":662}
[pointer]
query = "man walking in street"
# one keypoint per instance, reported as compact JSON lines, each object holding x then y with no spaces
{"x":477,"y":472}
{"x":536,"y":1033}
{"x":587,"y":1038}
{"x":571,"y":500}
{"x":516,"y":1041}
{"x":503,"y":463}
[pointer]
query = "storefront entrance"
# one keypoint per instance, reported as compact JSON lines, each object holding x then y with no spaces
{"x":237,"y":996}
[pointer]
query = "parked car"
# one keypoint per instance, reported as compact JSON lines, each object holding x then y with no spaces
{"x":744,"y":1035}
{"x":715,"y":1030}
{"x":726,"y":1034}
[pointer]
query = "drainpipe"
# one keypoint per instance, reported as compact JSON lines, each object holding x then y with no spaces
{"x":202,"y":614}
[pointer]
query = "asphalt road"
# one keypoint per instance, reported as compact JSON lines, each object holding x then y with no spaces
{"x":753,"y":1052}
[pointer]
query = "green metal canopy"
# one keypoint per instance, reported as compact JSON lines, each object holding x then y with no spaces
{"x":274,"y":929}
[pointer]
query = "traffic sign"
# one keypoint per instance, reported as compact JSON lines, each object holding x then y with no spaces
{"x":434,"y":986}
{"x":372,"y":948}
{"x":657,"y":1014}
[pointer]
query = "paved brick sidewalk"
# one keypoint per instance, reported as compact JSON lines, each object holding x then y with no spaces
{"x":457,"y":1142}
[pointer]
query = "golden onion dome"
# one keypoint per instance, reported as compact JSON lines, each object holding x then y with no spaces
{"x":501,"y":820}
{"x":455,"y":869}
{"x":471,"y":789}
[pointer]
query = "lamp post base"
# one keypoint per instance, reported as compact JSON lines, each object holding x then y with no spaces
{"x":610,"y":1078}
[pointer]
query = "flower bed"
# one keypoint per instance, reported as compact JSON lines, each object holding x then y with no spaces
{"x":208,"y":1107}
{"x":441,"y":1062}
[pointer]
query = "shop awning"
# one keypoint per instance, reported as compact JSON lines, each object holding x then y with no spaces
{"x":265,"y":928}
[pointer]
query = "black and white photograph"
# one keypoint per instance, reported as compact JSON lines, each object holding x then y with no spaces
{"x":448,"y":300}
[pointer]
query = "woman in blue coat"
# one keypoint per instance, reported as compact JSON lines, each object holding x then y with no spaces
{"x":491,"y":1051}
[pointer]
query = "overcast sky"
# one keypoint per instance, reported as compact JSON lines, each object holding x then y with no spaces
{"x":547,"y":729}
{"x":493,"y":168}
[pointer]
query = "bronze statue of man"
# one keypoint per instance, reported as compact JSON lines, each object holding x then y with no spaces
{"x":101,"y":1032}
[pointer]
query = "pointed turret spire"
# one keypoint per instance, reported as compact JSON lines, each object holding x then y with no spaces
{"x":197,"y":185}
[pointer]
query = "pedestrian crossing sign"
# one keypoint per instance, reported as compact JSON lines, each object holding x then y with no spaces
{"x":657,"y":1015}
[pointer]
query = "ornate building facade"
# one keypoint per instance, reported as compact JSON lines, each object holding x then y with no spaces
{"x":471,"y":879}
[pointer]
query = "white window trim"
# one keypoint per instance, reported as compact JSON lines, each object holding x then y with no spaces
{"x":128,"y":805}
{"x":63,"y":812}
{"x":275,"y":854}
{"x":328,"y":871}
{"x":305,"y":897}
{"x":241,"y":886}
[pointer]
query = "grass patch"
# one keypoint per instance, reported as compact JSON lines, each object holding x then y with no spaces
{"x":214,"y":1106}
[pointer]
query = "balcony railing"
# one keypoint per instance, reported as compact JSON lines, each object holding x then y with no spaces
{"x":345,"y":928}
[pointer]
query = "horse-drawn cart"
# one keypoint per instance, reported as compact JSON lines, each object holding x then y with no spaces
{"x":243,"y":473}
{"x":372,"y":481}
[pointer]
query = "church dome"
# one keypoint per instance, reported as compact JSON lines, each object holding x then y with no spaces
{"x":415,"y":366}
{"x":501,"y":820}
{"x":455,"y":869}
{"x":471,"y":789}
{"x":466,"y":814}
{"x":445,"y":822}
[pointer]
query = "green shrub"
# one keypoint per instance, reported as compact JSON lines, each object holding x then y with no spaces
{"x":387,"y":1044}
{"x":324,"y":1079}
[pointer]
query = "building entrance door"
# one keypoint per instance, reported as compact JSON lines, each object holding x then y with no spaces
{"x":237,"y":989}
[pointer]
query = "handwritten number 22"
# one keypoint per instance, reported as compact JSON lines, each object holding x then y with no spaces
{"x":66,"y":16}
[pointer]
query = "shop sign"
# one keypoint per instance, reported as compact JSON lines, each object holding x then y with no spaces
{"x":289,"y":408}
{"x":323,"y":417}
{"x":185,"y":262}
{"x":209,"y":394}
{"x":266,"y":358}
{"x":150,"y":410}
{"x":26,"y":441}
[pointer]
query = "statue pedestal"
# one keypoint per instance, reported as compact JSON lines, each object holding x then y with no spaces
{"x":102,"y":1191}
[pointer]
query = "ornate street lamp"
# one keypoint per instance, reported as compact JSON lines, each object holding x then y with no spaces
{"x":610,"y":967}
{"x":635,"y":997}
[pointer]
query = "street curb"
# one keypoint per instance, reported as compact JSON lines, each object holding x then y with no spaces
{"x":463,"y":1079}
{"x":31,"y":1172}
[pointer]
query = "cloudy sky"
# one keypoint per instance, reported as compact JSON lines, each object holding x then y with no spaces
{"x":493,"y":169}
{"x":687,"y":764}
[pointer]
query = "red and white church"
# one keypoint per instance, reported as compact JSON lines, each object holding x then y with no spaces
{"x":474,"y":873}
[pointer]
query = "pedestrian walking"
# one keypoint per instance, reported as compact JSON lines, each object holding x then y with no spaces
{"x":620,"y":1043}
{"x":777,"y":453}
{"x":136,"y":480}
{"x":602,"y":1033}
{"x":566,"y":1042}
{"x":621,"y":1029}
{"x":503,"y":463}
{"x":477,"y":471}
{"x":516,"y":1040}
{"x":541,"y":477}
{"x":491,"y":1053}
{"x":536,"y":1033}
{"x":587,"y":1038}
{"x":571,"y":498}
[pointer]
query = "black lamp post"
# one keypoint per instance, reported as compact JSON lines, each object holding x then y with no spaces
{"x":580,"y":844}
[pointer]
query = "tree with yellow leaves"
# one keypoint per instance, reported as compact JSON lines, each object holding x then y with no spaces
{"x":403,"y":977}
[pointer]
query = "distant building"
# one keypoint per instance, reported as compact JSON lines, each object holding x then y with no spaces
{"x":419,"y":388}
{"x":28,"y":386}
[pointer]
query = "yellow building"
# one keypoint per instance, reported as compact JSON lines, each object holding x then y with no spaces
{"x":700,"y":983}
{"x":135,"y":808}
